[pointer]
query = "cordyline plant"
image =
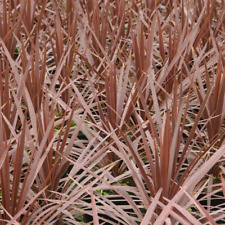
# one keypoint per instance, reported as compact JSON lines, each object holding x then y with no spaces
{"x":112,"y":112}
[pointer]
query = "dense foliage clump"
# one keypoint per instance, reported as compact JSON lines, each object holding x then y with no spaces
{"x":112,"y":112}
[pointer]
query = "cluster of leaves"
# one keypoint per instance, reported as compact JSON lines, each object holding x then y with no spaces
{"x":112,"y":112}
